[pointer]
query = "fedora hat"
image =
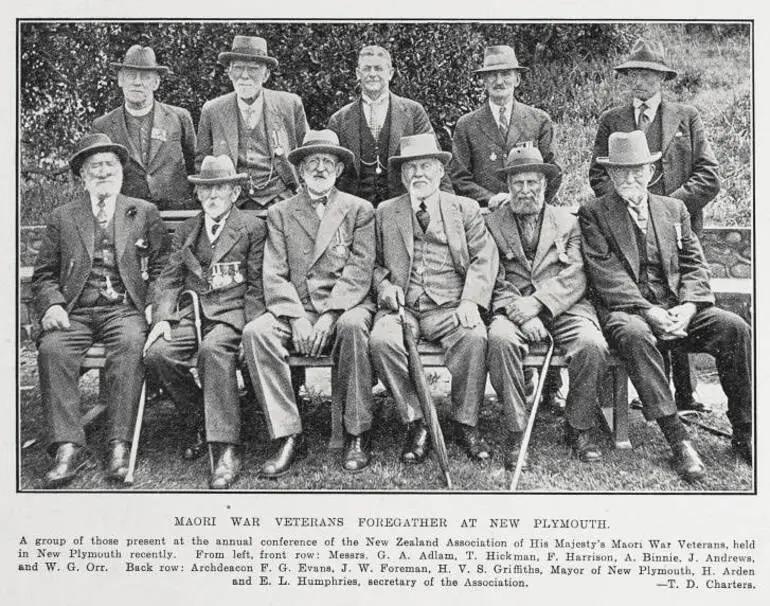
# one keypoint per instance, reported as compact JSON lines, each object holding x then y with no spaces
{"x":647,"y":54}
{"x":418,"y":146}
{"x":527,"y":158}
{"x":141,"y":57}
{"x":498,"y":58}
{"x":248,"y":48}
{"x":321,"y":142}
{"x":216,"y":170}
{"x":628,"y":149}
{"x":94,"y":144}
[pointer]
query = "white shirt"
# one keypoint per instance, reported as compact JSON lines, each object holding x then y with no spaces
{"x":652,"y":107}
{"x":138,"y":113}
{"x":320,"y":209}
{"x":496,"y":111}
{"x":375,"y":111}
{"x":431,"y":204}
{"x":251,"y":113}
{"x":109,"y":206}
{"x":209,"y":223}
{"x":639,"y":213}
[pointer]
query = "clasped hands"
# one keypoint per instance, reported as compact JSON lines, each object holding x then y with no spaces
{"x":467,"y":312}
{"x":524,"y":312}
{"x":311,"y":339}
{"x":668,"y":324}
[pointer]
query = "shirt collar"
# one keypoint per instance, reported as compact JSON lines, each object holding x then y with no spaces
{"x":382,"y":99}
{"x":652,"y":104}
{"x":496,"y":109}
{"x":313,"y":197}
{"x":210,"y":222}
{"x":138,"y":113}
{"x":109,"y":205}
{"x":431,"y":202}
{"x":257,"y":105}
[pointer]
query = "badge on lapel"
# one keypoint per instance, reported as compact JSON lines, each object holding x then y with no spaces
{"x":493,"y":156}
{"x":678,"y":230}
{"x":340,"y":248}
{"x":159,"y":134}
{"x":277,"y":149}
{"x":143,"y":249}
{"x":225,"y":274}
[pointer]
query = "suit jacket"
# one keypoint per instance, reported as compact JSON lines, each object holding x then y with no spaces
{"x":285,"y":121}
{"x":241,"y":241}
{"x":612,"y":257}
{"x":329,"y":260}
{"x":478,"y":149}
{"x":407,"y":118}
{"x":171,"y":157}
{"x":472,"y":249}
{"x":555,"y":276}
{"x":690,"y":169}
{"x":66,"y":255}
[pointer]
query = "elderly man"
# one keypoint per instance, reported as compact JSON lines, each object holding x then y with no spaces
{"x":651,"y":285}
{"x":686,"y":170}
{"x":540,"y":289}
{"x":160,"y":138}
{"x":372,"y":127}
{"x":218,"y":256}
{"x":436,"y":259}
{"x":93,"y":276}
{"x":319,"y":260}
{"x":255,"y":126}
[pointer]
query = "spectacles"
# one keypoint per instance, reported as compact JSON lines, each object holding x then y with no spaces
{"x":253,"y":71}
{"x":134,"y":74}
{"x":313,"y":163}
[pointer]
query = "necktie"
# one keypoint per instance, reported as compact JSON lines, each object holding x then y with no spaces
{"x":639,"y":214}
{"x":320,"y":206}
{"x":528,"y":225}
{"x":644,"y":119}
{"x":423,"y":216}
{"x":503,"y":123}
{"x":101,"y":214}
{"x":214,"y":229}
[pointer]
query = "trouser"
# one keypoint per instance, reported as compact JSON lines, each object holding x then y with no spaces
{"x":585,"y":349}
{"x":464,"y":353}
{"x":683,"y":374}
{"x":266,"y":342}
{"x":122,"y":329}
{"x":217,"y":362}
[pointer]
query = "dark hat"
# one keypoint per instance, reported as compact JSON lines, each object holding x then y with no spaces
{"x":497,"y":58}
{"x":647,"y":55}
{"x":527,"y":158}
{"x":321,"y":142}
{"x":419,"y":146}
{"x":216,"y":170}
{"x":94,"y":144}
{"x":628,"y":149}
{"x":248,"y":48}
{"x":141,"y":57}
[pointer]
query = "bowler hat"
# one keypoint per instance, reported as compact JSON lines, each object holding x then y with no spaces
{"x":498,"y":58}
{"x":143,"y":58}
{"x":628,"y":149}
{"x":321,"y":142}
{"x":527,"y":158}
{"x":419,"y":146}
{"x":93,"y":144}
{"x":216,"y":170}
{"x":647,"y":54}
{"x":248,"y":48}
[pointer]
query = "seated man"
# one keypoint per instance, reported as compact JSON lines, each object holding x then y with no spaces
{"x":96,"y":268}
{"x":541,"y":287}
{"x":436,"y":259}
{"x":650,"y":279}
{"x":218,"y":255}
{"x":319,"y":259}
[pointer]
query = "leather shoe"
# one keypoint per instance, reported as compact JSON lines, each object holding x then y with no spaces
{"x":511,"y":449}
{"x":687,"y":462}
{"x":357,"y":454}
{"x":742,"y":445}
{"x":291,"y":449}
{"x":470,"y":439}
{"x":227,"y":468}
{"x":118,"y":465}
{"x":70,"y":459}
{"x":583,"y":445}
{"x":417,"y":443}
{"x":692,"y":404}
{"x":196,"y":447}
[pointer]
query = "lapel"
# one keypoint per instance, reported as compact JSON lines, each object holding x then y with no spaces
{"x":123,"y":224}
{"x":353,"y":128}
{"x":455,"y":232}
{"x":230,"y":119}
{"x":402,"y":210}
{"x":670,"y":120}
{"x":231,"y":233}
{"x":488,"y":126}
{"x":83,"y":218}
{"x":398,"y":119}
{"x":305,"y":216}
{"x":188,"y":256}
{"x":336,"y":209}
{"x":119,"y":120}
{"x":273,"y":122}
{"x":664,"y":232}
{"x":509,"y":230}
{"x":623,"y":232}
{"x":515,"y":124}
{"x":549,"y":230}
{"x":160,"y":124}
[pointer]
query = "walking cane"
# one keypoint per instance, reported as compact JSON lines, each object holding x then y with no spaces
{"x":531,"y":421}
{"x":129,"y":479}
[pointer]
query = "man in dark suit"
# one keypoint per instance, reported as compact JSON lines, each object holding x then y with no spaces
{"x":686,"y":170}
{"x":650,"y":282}
{"x":319,"y":259}
{"x":93,"y":277}
{"x":160,"y":138}
{"x":372,"y":127}
{"x":255,"y":126}
{"x":436,"y":259}
{"x":218,"y":256}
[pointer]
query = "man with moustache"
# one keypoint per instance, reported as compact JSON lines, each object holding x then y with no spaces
{"x":255,"y":126}
{"x":436,"y":259}
{"x":218,"y":255}
{"x":160,"y":138}
{"x":93,"y":278}
{"x":372,"y":127}
{"x":319,"y":259}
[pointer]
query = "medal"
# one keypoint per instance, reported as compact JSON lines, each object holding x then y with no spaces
{"x":493,"y":156}
{"x":145,"y":276}
{"x":238,"y":278}
{"x":277,"y":149}
{"x":563,"y":257}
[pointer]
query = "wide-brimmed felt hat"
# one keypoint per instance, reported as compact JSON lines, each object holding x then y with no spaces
{"x":527,"y":158}
{"x":418,"y":146}
{"x":248,"y":48}
{"x":142,"y":58}
{"x":321,"y":142}
{"x":216,"y":170}
{"x":93,"y":144}
{"x":647,"y":54}
{"x":498,"y":58}
{"x":628,"y":149}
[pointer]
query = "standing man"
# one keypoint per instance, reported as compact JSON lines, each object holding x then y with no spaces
{"x":436,"y":259}
{"x":160,"y":138}
{"x":686,"y":170}
{"x":319,"y":260}
{"x":255,"y":126}
{"x":650,"y":281}
{"x":372,"y":127}
{"x":93,"y":278}
{"x":540,"y":290}
{"x":218,"y":256}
